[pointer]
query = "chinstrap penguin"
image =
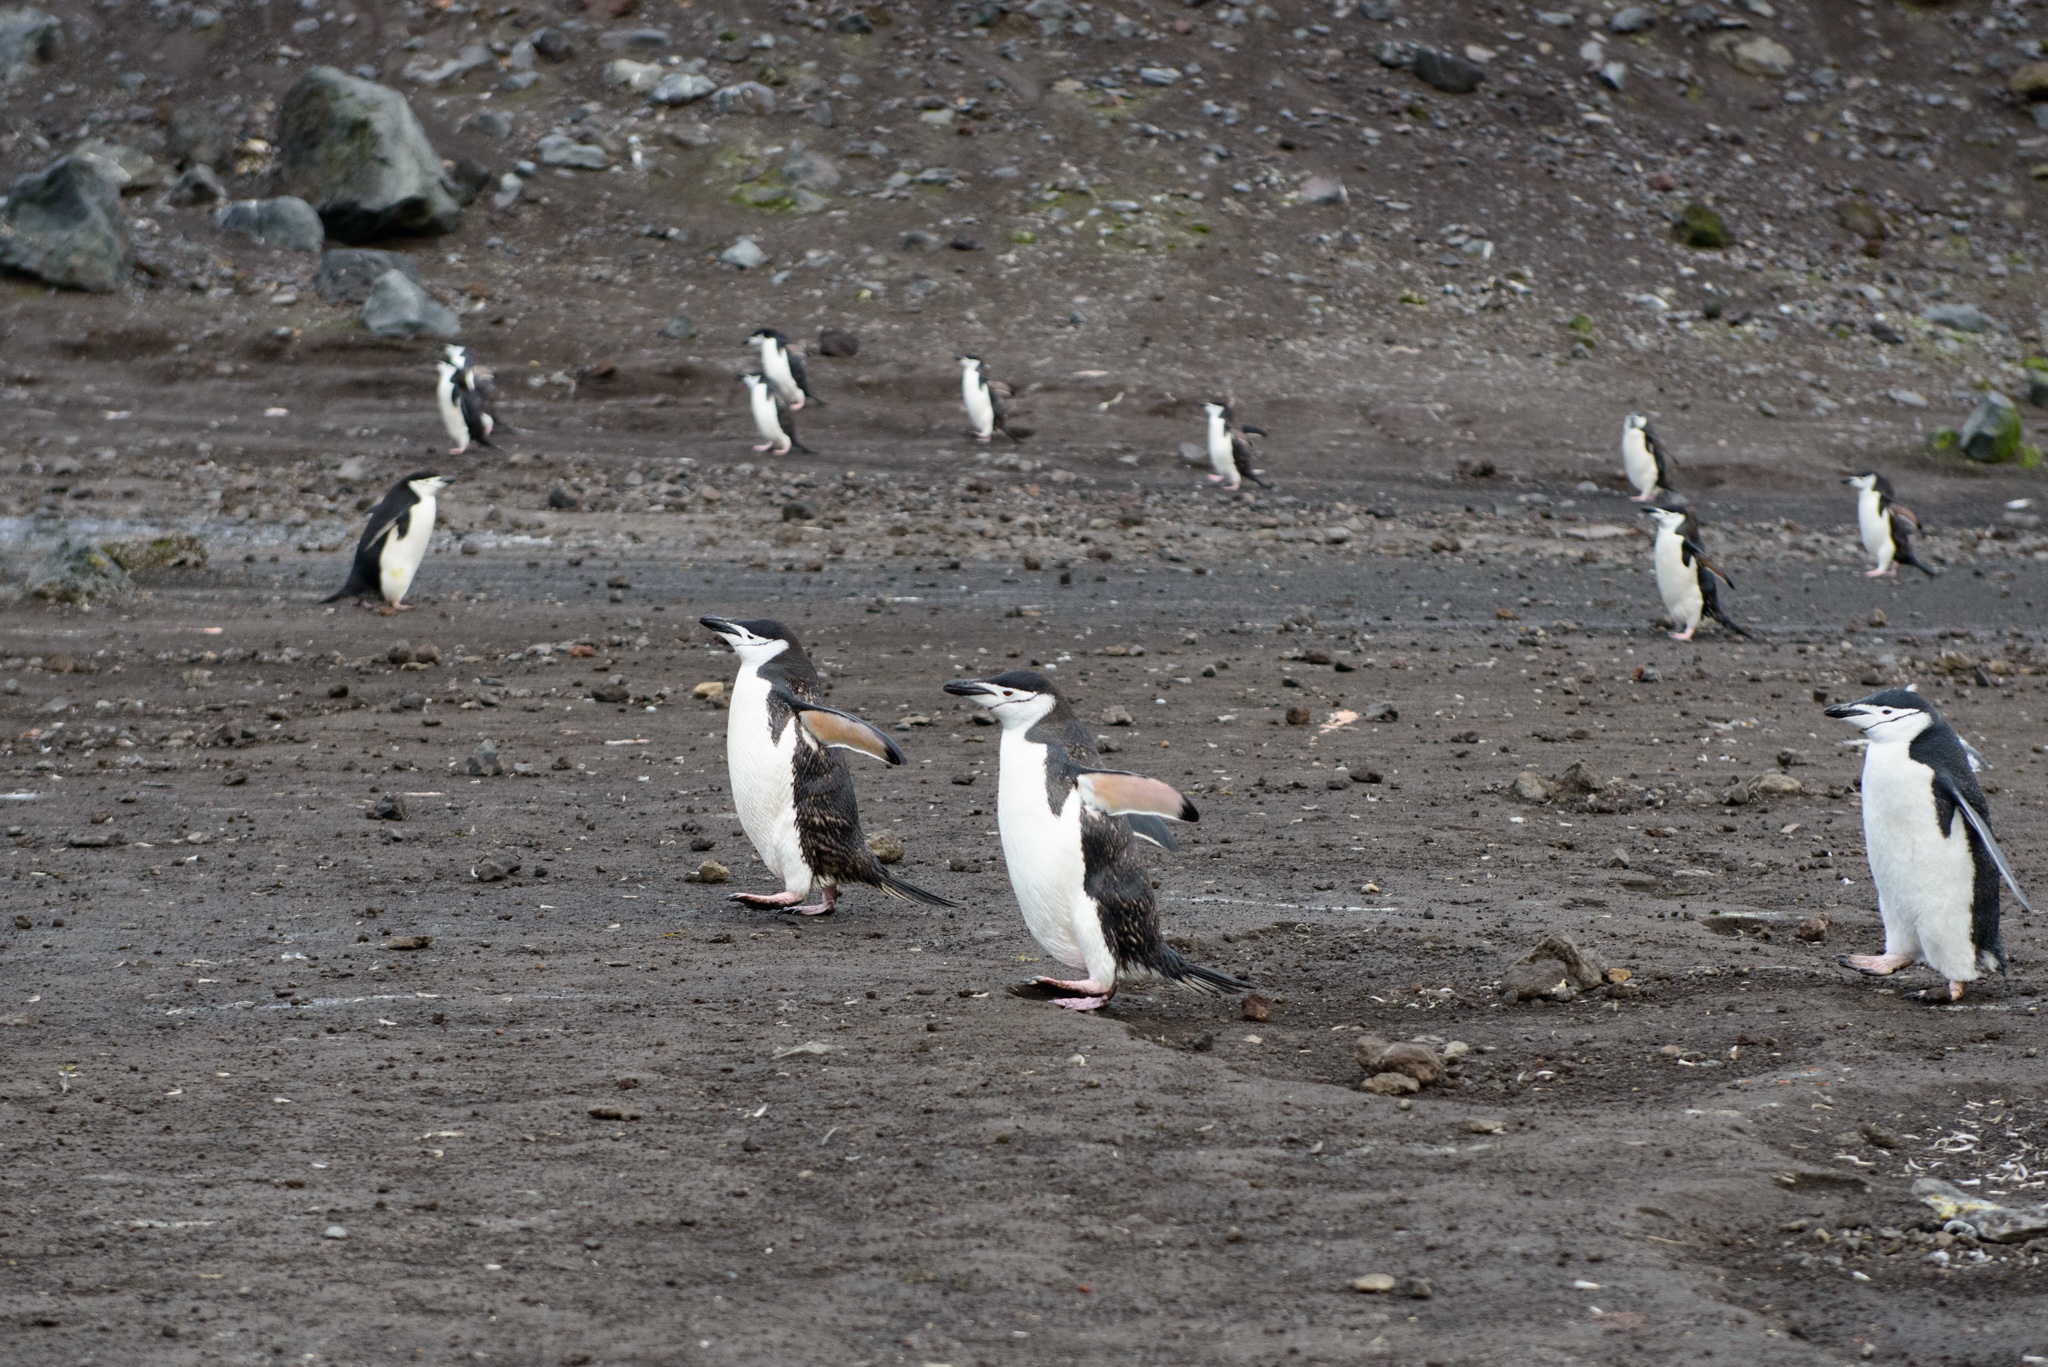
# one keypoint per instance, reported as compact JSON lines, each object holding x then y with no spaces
{"x":1685,"y":577}
{"x":1937,"y":877}
{"x":1230,"y":455}
{"x":983,"y":398}
{"x":794,"y":795}
{"x":783,"y":367}
{"x":463,"y":413}
{"x":1887,"y":525}
{"x":395,"y":542}
{"x":1643,"y":459}
{"x":1067,"y":825}
{"x":771,"y":418}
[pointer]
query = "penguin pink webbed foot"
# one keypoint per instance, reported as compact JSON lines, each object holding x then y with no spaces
{"x":1644,"y":498}
{"x":1887,"y":573}
{"x":1685,"y":635}
{"x":827,"y":900}
{"x":767,"y":899}
{"x":1087,"y":994}
{"x":1876,"y":965}
{"x":766,"y":446}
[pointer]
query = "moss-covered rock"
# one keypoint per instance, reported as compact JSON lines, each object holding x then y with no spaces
{"x":79,"y":574}
{"x":1699,"y":226}
{"x":1992,"y":435}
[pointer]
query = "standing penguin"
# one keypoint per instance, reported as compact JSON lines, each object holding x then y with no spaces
{"x":394,"y":543}
{"x":771,"y":418}
{"x":462,"y":408}
{"x":783,"y":366}
{"x":984,"y":400}
{"x":1887,"y":525}
{"x":1643,"y":459}
{"x":794,"y":796}
{"x":1230,"y":455}
{"x":1067,"y":826}
{"x":1685,"y":577}
{"x":1937,"y":878}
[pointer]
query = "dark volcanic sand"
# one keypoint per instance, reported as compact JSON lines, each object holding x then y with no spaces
{"x":562,"y":1133}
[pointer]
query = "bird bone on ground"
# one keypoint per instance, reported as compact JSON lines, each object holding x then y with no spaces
{"x":373,"y":986}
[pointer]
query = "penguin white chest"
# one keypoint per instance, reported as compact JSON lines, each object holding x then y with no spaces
{"x":1042,"y":849}
{"x":451,"y":412}
{"x":1637,"y":462}
{"x":775,"y":365}
{"x":400,"y":558}
{"x":981,"y":411}
{"x":1678,"y":582}
{"x":766,"y":422}
{"x":763,"y":774}
{"x":1875,"y":525}
{"x":1926,"y":881}
{"x":1222,"y":457}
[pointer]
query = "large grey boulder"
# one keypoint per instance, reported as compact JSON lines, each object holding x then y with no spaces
{"x":28,"y":38}
{"x":398,"y":307}
{"x":348,"y":274}
{"x":354,"y":150}
{"x":63,"y":225}
{"x":286,"y":221}
{"x":1993,"y":433}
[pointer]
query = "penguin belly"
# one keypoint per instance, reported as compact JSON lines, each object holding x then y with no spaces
{"x":1637,"y":462}
{"x":1926,"y":882}
{"x":399,"y":558}
{"x":980,"y":411}
{"x":763,"y":775}
{"x":1222,"y":458}
{"x":1679,"y":583}
{"x":775,"y":365}
{"x":1042,"y":849}
{"x":451,"y":413}
{"x":766,"y":421}
{"x":1876,"y":529}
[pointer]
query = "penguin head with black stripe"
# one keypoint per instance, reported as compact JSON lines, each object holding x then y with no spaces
{"x":760,"y":335}
{"x":1634,"y":422}
{"x":1893,"y":717}
{"x":1218,"y":410}
{"x":756,"y":641}
{"x":1869,"y":480}
{"x":1020,"y":698}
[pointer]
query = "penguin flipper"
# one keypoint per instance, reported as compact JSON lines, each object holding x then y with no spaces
{"x":844,"y":731}
{"x":1983,"y":830}
{"x":474,"y":417}
{"x":1114,"y":792}
{"x":1255,"y":431}
{"x":1656,"y":449}
{"x":797,"y":373}
{"x":1699,"y":555}
{"x":1152,"y":828}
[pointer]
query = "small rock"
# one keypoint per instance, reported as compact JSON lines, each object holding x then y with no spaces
{"x":28,"y":39}
{"x":398,"y":307}
{"x":1298,"y":716}
{"x":1632,"y":19}
{"x":1814,"y":929}
{"x":196,"y":187}
{"x":408,"y":943}
{"x":1324,"y":190}
{"x":886,"y":848}
{"x":1993,"y":433}
{"x":1157,"y":75}
{"x":1116,"y":714}
{"x":388,"y":807}
{"x":1618,"y":859}
{"x":682,"y":87}
{"x":552,"y":44}
{"x":637,"y":77}
{"x":1381,"y":711}
{"x":484,"y":761}
{"x":747,"y":97}
{"x":744,"y":254}
{"x":1451,"y":74}
{"x":1959,"y":318}
{"x":680,"y":328}
{"x":287,"y":221}
{"x":612,"y":690}
{"x":1253,"y":1007}
{"x":1699,"y":226}
{"x":495,"y":867}
{"x":1481,"y":1125}
{"x":711,"y":871}
{"x":2030,"y":82}
{"x":492,"y":123}
{"x":1776,"y":785}
{"x":1862,"y":218}
{"x":837,"y":342}
{"x":710,"y":691}
{"x":1374,"y":1283}
{"x":334,"y":1232}
{"x":1531,"y":786}
{"x":1391,"y":1084}
{"x":1417,"y":1289}
{"x":348,"y":275}
{"x":559,"y":149}
{"x":1988,"y":1219}
{"x":1760,"y":56}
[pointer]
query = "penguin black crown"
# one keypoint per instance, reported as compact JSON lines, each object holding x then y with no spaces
{"x":793,"y":792}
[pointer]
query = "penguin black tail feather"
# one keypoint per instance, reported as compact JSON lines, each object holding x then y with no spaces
{"x":1917,"y":564}
{"x":801,"y":447}
{"x":354,"y":588}
{"x":911,"y":892}
{"x":1729,"y":622}
{"x":1177,"y":966}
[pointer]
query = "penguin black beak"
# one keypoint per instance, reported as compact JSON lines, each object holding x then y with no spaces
{"x":1843,"y":711}
{"x":968,"y":688}
{"x":719,"y":625}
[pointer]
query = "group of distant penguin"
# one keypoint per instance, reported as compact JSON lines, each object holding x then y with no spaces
{"x":1068,"y":826}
